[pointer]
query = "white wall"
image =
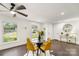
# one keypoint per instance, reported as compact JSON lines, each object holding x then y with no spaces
{"x":23,"y":30}
{"x":58,"y":27}
{"x":48,"y":31}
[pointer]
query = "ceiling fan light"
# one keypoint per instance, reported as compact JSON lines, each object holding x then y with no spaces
{"x":12,"y":12}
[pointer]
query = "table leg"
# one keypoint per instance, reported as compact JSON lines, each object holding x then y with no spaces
{"x":37,"y":52}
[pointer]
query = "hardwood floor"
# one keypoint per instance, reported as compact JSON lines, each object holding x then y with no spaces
{"x":59,"y":49}
{"x":65,"y":49}
{"x":15,"y":51}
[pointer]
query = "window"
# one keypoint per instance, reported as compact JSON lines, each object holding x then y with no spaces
{"x":9,"y":33}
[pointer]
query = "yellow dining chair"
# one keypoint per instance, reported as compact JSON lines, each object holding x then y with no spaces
{"x":46,"y":45}
{"x":30,"y":46}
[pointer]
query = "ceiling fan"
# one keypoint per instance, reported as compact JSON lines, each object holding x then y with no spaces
{"x":11,"y":9}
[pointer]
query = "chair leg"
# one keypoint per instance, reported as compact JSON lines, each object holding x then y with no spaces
{"x":49,"y":52}
{"x":33,"y":53}
{"x":45,"y":53}
{"x":27,"y":53}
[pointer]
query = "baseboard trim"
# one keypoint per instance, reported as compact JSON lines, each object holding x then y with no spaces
{"x":66,"y":42}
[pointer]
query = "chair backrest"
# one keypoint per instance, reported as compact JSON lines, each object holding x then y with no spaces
{"x":48,"y":45}
{"x":30,"y":45}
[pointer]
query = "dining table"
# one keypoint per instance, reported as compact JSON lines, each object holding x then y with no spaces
{"x":39,"y":49}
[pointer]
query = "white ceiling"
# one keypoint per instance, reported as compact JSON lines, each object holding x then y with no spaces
{"x":49,"y":12}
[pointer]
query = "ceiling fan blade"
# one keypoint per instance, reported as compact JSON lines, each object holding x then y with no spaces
{"x":22,"y":13}
{"x":12,"y":6}
{"x":21,"y":7}
{"x":4,"y":6}
{"x":15,"y":10}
